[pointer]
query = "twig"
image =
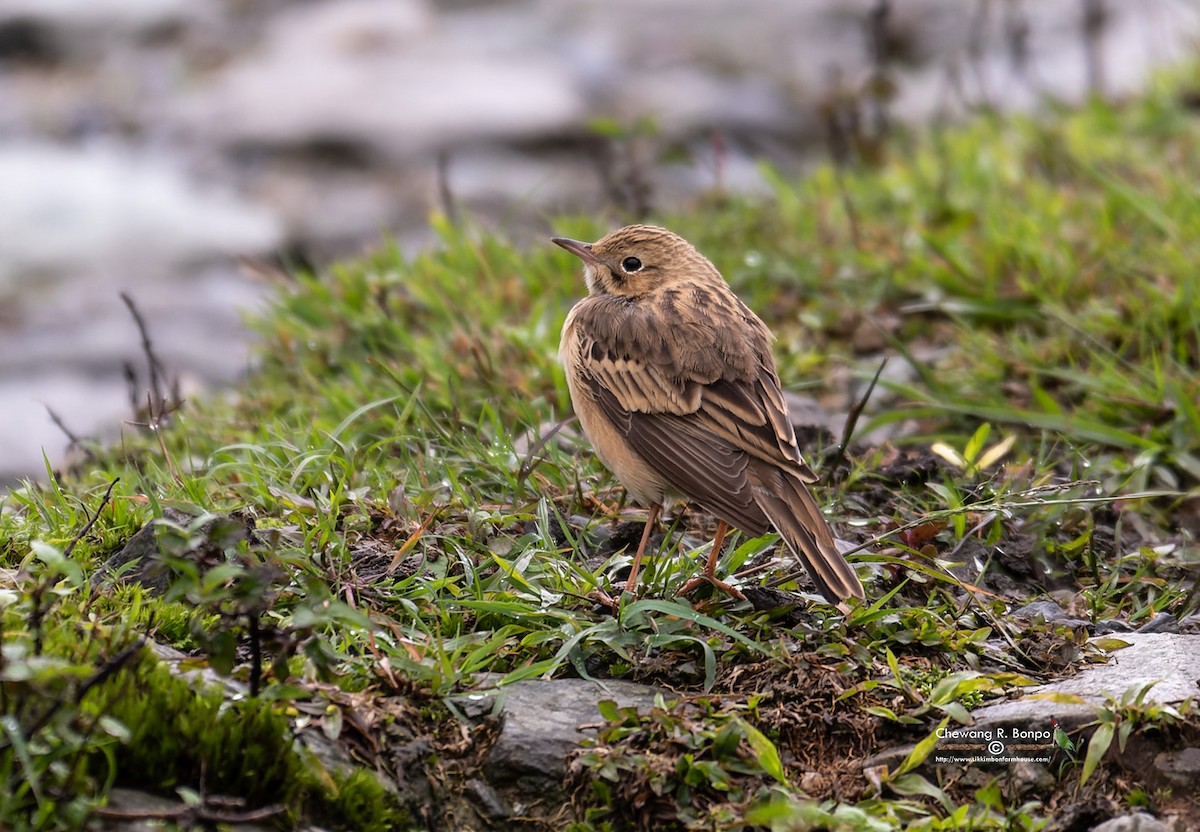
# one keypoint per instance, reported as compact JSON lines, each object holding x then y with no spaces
{"x":530,"y":461}
{"x":976,"y":40}
{"x":72,"y":439}
{"x":155,"y":365}
{"x":1016,"y":40}
{"x":131,"y":381}
{"x":880,"y":85}
{"x":111,"y":666}
{"x":445,"y":192}
{"x":87,"y":528}
{"x":37,"y":613}
{"x":105,"y":671}
{"x":61,"y":425}
{"x":1095,"y":18}
{"x":188,"y":815}
{"x":255,"y":655}
{"x":839,"y":456}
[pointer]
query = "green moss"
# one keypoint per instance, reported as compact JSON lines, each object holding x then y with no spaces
{"x":181,"y":736}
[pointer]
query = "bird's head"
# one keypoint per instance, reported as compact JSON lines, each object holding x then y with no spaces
{"x":638,"y":259}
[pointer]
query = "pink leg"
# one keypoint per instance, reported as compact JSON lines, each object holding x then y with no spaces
{"x":710,"y":568}
{"x":631,"y":584}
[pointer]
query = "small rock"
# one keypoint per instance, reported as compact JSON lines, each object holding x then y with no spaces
{"x":1164,"y":622}
{"x":1136,"y":822}
{"x":428,"y":88}
{"x":143,"y":553}
{"x":542,"y":722}
{"x":485,"y":798}
{"x":1050,"y":612}
{"x":77,"y":27}
{"x":64,"y":208}
{"x":1173,"y":660}
{"x":1181,"y":767}
{"x":1031,"y":778}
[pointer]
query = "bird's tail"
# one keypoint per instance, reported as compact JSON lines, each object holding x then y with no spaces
{"x":794,"y":512}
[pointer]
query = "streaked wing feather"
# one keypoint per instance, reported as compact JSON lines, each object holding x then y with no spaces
{"x":750,"y":415}
{"x":696,"y":463}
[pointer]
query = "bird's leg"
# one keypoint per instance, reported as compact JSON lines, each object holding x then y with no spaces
{"x":710,"y":568}
{"x":631,"y":584}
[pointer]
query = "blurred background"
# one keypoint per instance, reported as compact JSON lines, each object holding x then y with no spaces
{"x":155,"y":147}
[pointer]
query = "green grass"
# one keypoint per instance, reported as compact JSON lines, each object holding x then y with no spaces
{"x":1038,"y":278}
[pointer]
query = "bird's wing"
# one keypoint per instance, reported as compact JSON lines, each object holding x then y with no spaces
{"x":685,"y":412}
{"x":725,"y":386}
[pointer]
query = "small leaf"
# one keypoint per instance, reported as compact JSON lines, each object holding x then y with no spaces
{"x":881,"y":711}
{"x":911,"y":784}
{"x":765,"y":751}
{"x":922,"y":749}
{"x":997,"y":452}
{"x":975,"y":443}
{"x":949,"y":454}
{"x":1096,"y":749}
{"x":957,"y":711}
{"x":609,"y":710}
{"x":1110,"y":645}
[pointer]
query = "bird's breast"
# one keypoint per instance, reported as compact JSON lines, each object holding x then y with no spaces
{"x":638,"y":478}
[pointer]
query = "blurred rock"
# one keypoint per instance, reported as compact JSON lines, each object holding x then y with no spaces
{"x":102,"y":17}
{"x":64,"y":208}
{"x":79,"y":30}
{"x":1136,"y":822}
{"x":380,"y":74}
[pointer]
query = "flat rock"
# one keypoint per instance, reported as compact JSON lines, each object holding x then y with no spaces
{"x":1136,"y":822}
{"x":543,"y":722}
{"x":64,"y":208}
{"x":100,"y":17}
{"x":1172,"y":660}
{"x":318,"y":66}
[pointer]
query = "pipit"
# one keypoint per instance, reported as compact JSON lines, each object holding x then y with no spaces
{"x":673,"y":380}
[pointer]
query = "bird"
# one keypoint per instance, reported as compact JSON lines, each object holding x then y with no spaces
{"x":674,"y":383}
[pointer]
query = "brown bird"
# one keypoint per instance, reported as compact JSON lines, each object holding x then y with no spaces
{"x":673,"y":380}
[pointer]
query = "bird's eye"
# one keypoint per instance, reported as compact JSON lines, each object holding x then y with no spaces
{"x":631,"y":264}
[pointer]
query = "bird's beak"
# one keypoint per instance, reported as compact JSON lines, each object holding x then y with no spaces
{"x":581,"y":250}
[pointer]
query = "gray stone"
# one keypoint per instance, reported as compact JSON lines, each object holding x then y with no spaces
{"x":1182,"y":767}
{"x":1136,"y":822}
{"x":71,"y":20}
{"x":1032,"y":778}
{"x":385,"y":75}
{"x":65,"y":208}
{"x":1047,"y":609}
{"x":1163,"y":622}
{"x":1171,"y":660}
{"x":544,"y":720}
{"x":140,"y":560}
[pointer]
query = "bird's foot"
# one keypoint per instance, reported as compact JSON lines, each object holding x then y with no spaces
{"x":729,"y":589}
{"x":604,"y":599}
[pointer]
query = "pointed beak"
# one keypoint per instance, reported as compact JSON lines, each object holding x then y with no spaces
{"x":581,"y":250}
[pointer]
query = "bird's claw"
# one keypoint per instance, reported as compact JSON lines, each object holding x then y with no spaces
{"x":729,"y":589}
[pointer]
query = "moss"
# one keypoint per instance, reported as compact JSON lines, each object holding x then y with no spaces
{"x":184,"y":737}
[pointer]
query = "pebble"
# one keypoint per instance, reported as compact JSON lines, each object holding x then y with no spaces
{"x":1136,"y":822}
